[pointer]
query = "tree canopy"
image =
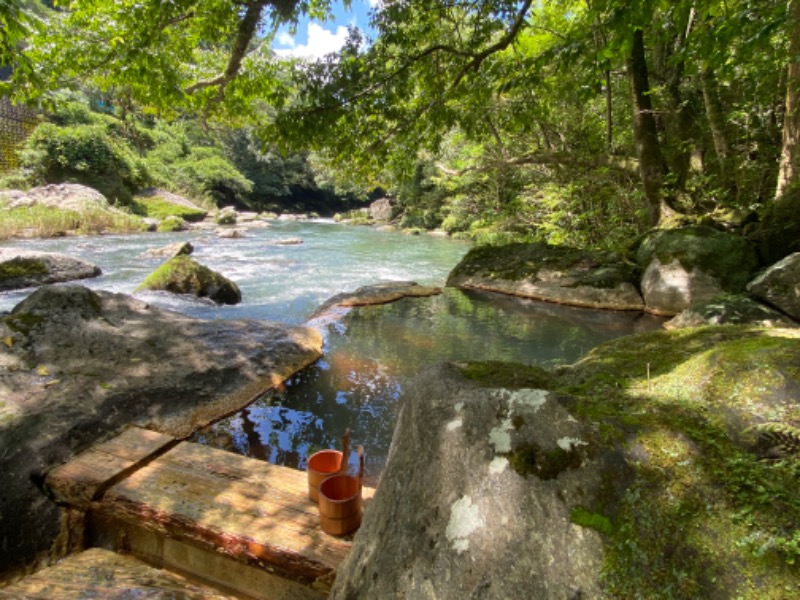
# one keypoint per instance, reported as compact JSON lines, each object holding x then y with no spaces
{"x":634,"y":111}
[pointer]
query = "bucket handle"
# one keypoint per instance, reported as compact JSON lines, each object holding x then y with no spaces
{"x":345,"y":452}
{"x":360,"y":467}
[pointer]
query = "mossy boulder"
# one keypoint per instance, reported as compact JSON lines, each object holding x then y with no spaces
{"x":638,"y":472}
{"x":778,"y":232}
{"x":183,"y":275}
{"x":24,"y":268}
{"x":161,"y":204}
{"x":551,"y":273}
{"x":171,"y":224}
{"x":227,"y":216}
{"x":690,"y":265}
{"x":780,"y":285}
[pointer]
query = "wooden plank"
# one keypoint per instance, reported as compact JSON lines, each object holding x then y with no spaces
{"x":85,"y":477}
{"x":98,"y":573}
{"x":255,"y":512}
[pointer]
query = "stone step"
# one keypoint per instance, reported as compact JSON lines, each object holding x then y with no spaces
{"x":99,"y":573}
{"x":234,"y":521}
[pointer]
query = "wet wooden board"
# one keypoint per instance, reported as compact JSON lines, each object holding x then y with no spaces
{"x":98,"y":573}
{"x":89,"y":474}
{"x":250,"y":510}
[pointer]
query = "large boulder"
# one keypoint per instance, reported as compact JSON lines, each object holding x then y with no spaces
{"x":639,"y":471}
{"x":381,"y":210}
{"x":551,"y":273}
{"x":77,"y":366}
{"x":692,"y":265}
{"x":183,"y":275}
{"x":476,"y":497}
{"x":780,"y":285}
{"x":26,"y":268}
{"x":65,"y":196}
{"x":730,"y":310}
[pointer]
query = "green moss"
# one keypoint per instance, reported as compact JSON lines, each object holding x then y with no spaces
{"x":23,"y":322}
{"x":701,"y":511}
{"x":183,"y":275}
{"x":170,"y":224}
{"x":515,"y":262}
{"x":21,"y":267}
{"x":508,"y":375}
{"x":731,"y":259}
{"x":584,"y":518}
{"x":157,"y":207}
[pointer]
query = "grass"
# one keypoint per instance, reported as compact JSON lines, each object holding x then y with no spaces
{"x":42,"y":221}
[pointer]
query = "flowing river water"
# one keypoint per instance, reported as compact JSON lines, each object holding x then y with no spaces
{"x":369,"y":351}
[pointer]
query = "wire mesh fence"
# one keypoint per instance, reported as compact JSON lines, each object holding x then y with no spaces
{"x":16,"y":124}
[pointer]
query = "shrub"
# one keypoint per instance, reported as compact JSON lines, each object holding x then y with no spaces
{"x":84,"y":154}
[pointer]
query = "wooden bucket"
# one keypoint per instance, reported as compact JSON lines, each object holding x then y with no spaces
{"x":325,"y":463}
{"x":340,"y":503}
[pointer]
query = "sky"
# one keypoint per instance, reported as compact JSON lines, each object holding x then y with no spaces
{"x":314,"y":39}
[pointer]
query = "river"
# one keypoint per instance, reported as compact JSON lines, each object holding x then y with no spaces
{"x":370,"y":350}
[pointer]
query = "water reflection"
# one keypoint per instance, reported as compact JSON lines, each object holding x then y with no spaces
{"x":372,"y":350}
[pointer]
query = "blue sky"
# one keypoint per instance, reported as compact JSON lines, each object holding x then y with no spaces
{"x":314,"y":39}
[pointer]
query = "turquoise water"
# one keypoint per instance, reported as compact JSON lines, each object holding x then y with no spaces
{"x":369,"y":351}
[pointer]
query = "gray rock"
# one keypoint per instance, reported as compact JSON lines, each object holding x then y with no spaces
{"x":292,"y":241}
{"x":169,"y":251}
{"x":227,"y":216}
{"x":730,"y":310}
{"x":692,"y":265}
{"x":25,"y":268}
{"x":780,"y":285}
{"x":381,"y":210}
{"x":77,"y":366}
{"x":551,"y":273}
{"x":230,"y":233}
{"x":452,"y":518}
{"x":66,"y":196}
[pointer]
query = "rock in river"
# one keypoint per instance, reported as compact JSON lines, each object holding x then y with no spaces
{"x":24,"y":268}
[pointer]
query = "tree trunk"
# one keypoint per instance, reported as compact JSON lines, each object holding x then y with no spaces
{"x":652,"y":167}
{"x":719,"y":130}
{"x":789,"y":168}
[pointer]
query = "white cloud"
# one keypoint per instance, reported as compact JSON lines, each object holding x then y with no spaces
{"x":320,"y":42}
{"x":374,"y":3}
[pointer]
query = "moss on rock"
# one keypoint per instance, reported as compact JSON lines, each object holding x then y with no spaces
{"x":160,"y":207}
{"x":183,"y":275}
{"x":703,"y":512}
{"x":22,"y":266}
{"x":731,"y":259}
{"x":508,"y":375}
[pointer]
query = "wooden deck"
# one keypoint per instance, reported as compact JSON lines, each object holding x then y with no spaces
{"x":203,"y":511}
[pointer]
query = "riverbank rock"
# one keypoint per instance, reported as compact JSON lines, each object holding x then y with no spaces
{"x":378,"y":293}
{"x":692,"y":265}
{"x":77,"y":366}
{"x":169,"y":251}
{"x":183,"y":275}
{"x":160,"y":204}
{"x":25,"y":268}
{"x":65,"y":196}
{"x":381,"y":210}
{"x":551,"y":273}
{"x":622,"y":476}
{"x":780,"y":285}
{"x":730,"y":310}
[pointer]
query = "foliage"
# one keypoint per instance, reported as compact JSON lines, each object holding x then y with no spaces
{"x":42,"y":221}
{"x":85,"y":154}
